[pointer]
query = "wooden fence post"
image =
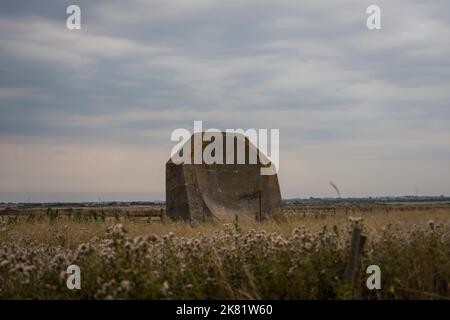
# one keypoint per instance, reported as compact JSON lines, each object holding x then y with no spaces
{"x":357,"y":245}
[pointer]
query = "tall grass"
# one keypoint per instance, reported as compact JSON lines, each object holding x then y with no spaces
{"x":293,"y":257}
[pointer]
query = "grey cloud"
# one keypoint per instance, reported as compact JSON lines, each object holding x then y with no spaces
{"x":139,"y":69}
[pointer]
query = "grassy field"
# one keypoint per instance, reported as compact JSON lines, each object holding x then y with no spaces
{"x":130,"y":253}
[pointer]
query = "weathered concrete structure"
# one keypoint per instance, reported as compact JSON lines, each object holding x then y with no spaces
{"x":219,"y":191}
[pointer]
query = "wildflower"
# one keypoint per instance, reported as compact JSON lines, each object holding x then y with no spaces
{"x":126,"y":285}
{"x":165,"y":287}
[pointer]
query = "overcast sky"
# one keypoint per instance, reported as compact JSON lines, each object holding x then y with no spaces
{"x":88,"y":113}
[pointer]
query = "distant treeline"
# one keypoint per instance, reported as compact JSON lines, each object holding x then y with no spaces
{"x":27,"y":205}
{"x":311,"y":200}
{"x":404,"y":199}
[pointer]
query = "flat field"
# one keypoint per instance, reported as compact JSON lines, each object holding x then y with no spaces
{"x":302,"y":253}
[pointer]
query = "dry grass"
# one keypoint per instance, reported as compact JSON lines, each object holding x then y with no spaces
{"x":299,"y":254}
{"x":77,"y":231}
